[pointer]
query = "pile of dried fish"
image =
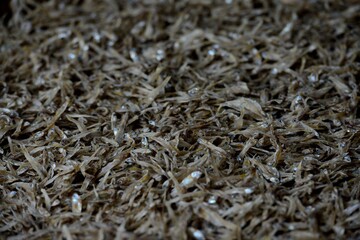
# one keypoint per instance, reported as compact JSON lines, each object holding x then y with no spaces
{"x":192,"y":119}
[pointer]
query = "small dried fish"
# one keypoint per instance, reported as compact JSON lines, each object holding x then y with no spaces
{"x":33,"y":162}
{"x":249,"y":144}
{"x":216,"y":219}
{"x":340,"y":86}
{"x":191,"y":179}
{"x":211,"y":146}
{"x":268,"y":172}
{"x":246,"y":105}
{"x":58,"y":114}
{"x":151,"y":93}
{"x":207,"y":119}
{"x":212,"y":200}
{"x":118,"y":129}
{"x":76,"y":204}
{"x":144,"y":142}
{"x":197,"y":234}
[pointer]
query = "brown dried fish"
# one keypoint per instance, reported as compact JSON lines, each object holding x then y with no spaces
{"x":179,"y":119}
{"x":246,"y":105}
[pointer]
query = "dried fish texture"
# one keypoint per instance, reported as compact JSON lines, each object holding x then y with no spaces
{"x":192,"y":119}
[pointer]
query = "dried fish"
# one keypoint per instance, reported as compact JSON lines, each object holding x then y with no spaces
{"x":144,"y":141}
{"x":191,"y":179}
{"x":212,"y":146}
{"x":118,"y":129}
{"x":212,"y":200}
{"x":248,"y":190}
{"x":270,"y":173}
{"x":76,"y":204}
{"x":246,"y":105}
{"x":58,"y":114}
{"x":197,"y":234}
{"x":33,"y":162}
{"x":179,"y":119}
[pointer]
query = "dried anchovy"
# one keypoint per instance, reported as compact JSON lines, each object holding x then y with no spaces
{"x":179,"y":119}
